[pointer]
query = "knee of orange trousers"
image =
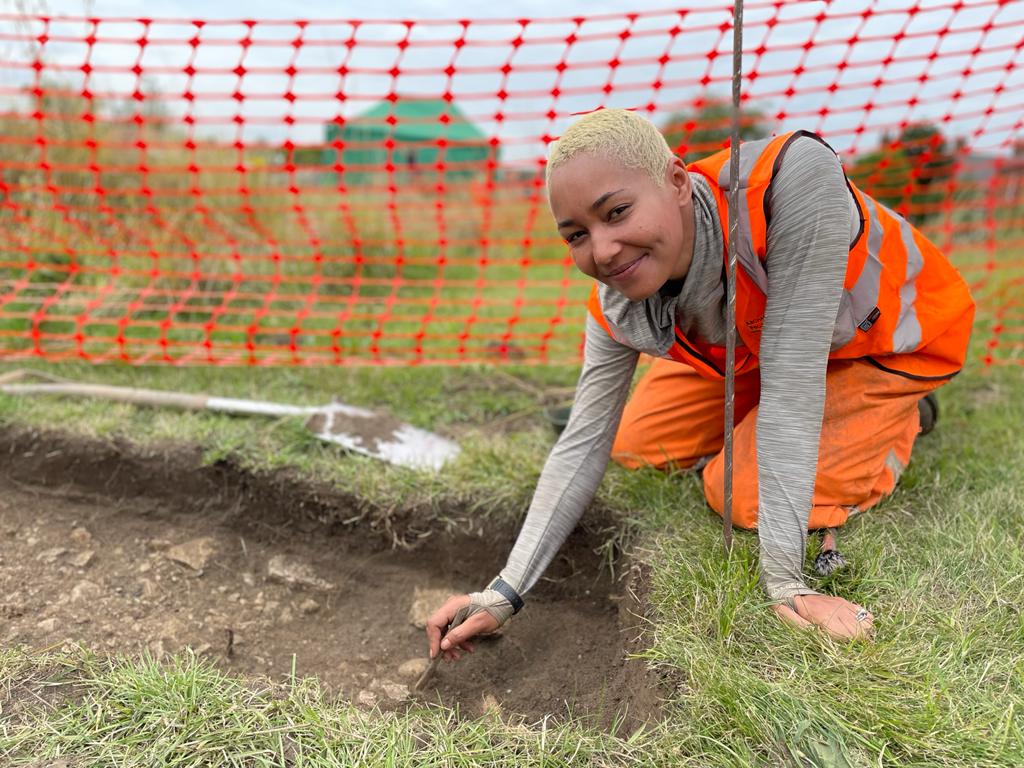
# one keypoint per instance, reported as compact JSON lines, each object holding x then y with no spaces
{"x":633,"y":450}
{"x":895,"y":461}
{"x":674,"y":417}
{"x":836,"y":492}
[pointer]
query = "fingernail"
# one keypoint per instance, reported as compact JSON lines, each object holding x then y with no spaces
{"x":445,"y":645}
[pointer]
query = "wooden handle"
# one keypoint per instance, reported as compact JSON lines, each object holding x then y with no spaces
{"x":107,"y":392}
{"x":428,"y":672}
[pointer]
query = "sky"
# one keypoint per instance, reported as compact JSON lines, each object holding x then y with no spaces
{"x":948,"y":67}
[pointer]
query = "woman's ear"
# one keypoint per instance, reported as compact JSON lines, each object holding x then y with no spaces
{"x":679,"y":178}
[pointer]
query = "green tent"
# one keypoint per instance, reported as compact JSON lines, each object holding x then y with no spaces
{"x":424,"y":131}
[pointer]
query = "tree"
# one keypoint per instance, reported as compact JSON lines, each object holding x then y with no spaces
{"x":707,"y":127}
{"x":911,"y":174}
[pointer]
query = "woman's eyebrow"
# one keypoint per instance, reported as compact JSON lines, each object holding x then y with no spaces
{"x":600,"y":201}
{"x":593,"y":206}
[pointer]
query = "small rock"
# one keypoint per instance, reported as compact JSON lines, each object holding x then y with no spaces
{"x":295,"y":573}
{"x":367,"y":698}
{"x":146,"y":567}
{"x":286,"y":616}
{"x":309,"y":606}
{"x":48,"y":625}
{"x":82,"y":559}
{"x":80,"y":535}
{"x":491,"y":705}
{"x":249,"y":579}
{"x":51,"y":555}
{"x":395,"y":691}
{"x":195,"y":554}
{"x":148,"y":589}
{"x":32,"y":540}
{"x":86,"y":590}
{"x":157,"y":545}
{"x":413,"y":668}
{"x":425,"y":602}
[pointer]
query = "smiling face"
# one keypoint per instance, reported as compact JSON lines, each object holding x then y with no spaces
{"x":621,"y":227}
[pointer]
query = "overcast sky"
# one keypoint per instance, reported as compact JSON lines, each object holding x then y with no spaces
{"x":963,"y":68}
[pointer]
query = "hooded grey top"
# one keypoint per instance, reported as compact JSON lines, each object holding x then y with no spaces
{"x":814,"y":219}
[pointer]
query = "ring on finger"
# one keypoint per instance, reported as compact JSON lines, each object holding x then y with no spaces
{"x":862,"y":614}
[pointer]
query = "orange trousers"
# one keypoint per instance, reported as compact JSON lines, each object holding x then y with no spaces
{"x":675,"y":417}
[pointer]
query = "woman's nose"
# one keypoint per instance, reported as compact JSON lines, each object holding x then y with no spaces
{"x":605,"y":247}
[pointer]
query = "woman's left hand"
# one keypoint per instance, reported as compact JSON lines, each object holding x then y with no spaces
{"x":842,"y":619}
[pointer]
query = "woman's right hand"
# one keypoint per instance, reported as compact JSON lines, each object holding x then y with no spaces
{"x":455,"y":613}
{"x":838,"y":617}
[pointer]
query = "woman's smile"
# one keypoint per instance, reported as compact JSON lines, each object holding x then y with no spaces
{"x":626,"y":271}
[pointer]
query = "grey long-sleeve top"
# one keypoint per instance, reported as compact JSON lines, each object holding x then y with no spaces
{"x":814,"y":220}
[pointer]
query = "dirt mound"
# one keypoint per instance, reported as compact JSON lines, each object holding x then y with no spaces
{"x":124,"y":552}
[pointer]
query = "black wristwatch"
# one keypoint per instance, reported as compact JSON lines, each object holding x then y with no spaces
{"x":506,"y":591}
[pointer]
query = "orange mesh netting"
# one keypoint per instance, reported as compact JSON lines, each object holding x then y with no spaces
{"x":349,"y":192}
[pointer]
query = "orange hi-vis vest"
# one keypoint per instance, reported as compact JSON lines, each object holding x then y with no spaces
{"x":904,"y":307}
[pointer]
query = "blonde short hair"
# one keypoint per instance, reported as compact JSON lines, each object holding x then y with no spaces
{"x":632,"y":140}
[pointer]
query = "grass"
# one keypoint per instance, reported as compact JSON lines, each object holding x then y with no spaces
{"x":184,"y":713}
{"x":939,"y":563}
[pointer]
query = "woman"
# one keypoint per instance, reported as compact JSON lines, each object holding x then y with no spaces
{"x":846,"y":317}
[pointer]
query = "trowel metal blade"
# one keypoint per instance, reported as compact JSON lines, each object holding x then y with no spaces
{"x":381,"y":437}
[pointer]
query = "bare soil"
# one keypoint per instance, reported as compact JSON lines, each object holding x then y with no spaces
{"x":120,"y":551}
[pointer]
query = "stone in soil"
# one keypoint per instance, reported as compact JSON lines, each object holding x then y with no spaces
{"x":295,"y":573}
{"x":80,"y":535}
{"x":82,"y":559}
{"x":413,"y":668}
{"x":425,"y":602}
{"x":50,"y":556}
{"x":195,"y":554}
{"x":490,"y":705}
{"x":395,"y":691}
{"x":86,"y":590}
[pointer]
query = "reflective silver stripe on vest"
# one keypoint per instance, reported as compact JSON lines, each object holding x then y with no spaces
{"x":857,"y":303}
{"x":864,"y":294}
{"x":750,"y":152}
{"x":907,"y":336}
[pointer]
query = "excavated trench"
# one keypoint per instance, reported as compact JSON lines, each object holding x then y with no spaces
{"x":122,"y":552}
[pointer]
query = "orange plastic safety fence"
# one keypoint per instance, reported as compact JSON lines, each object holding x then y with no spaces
{"x":346,"y":192}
